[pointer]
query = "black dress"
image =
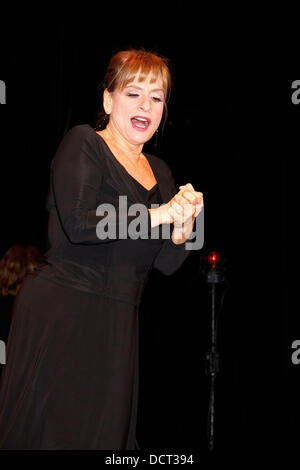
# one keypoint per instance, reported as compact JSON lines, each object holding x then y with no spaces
{"x":6,"y":305}
{"x":71,"y":376}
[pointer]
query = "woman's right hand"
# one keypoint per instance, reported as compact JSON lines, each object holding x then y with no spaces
{"x":186,"y":205}
{"x":161,"y":215}
{"x":165,"y":214}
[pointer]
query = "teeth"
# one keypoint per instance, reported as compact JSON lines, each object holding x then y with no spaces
{"x":141,"y":119}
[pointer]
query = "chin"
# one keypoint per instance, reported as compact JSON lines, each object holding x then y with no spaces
{"x":141,"y":139}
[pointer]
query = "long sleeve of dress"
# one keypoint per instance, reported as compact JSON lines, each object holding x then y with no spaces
{"x":170,"y":256}
{"x":77,"y":172}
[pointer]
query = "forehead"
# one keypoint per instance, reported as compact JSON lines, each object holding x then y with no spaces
{"x":148,"y":84}
{"x":150,"y":81}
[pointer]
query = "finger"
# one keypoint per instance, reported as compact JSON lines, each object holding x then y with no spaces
{"x":193,"y":197}
{"x":177,"y":207}
{"x":187,"y":186}
{"x":190,"y":188}
{"x":199,"y":196}
{"x":180,"y":199}
{"x":177,"y":218}
{"x":183,"y":216}
{"x":181,"y":221}
{"x":184,"y":212}
{"x":189,"y":196}
{"x":199,"y":208}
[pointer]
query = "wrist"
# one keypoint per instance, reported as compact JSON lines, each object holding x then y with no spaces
{"x":181,"y":233}
{"x":160,"y":215}
{"x":178,"y":237}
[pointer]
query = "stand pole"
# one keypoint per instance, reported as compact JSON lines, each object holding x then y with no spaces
{"x":212,"y":357}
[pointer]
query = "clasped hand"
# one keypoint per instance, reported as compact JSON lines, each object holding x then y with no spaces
{"x":180,"y":211}
{"x":184,"y":207}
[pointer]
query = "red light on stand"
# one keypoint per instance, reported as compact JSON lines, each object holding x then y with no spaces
{"x":213,"y":259}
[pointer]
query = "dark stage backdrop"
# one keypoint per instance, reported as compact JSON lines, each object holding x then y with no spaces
{"x":228,"y":118}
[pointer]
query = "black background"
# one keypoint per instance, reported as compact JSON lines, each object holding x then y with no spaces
{"x":232,"y":132}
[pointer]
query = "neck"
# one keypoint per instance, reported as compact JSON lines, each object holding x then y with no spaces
{"x":132,"y":151}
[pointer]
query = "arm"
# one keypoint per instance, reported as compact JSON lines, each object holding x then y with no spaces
{"x":174,"y":252}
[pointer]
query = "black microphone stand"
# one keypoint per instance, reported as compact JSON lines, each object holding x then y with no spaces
{"x":213,"y":278}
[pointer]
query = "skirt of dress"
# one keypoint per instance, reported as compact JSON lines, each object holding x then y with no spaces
{"x":71,"y":377}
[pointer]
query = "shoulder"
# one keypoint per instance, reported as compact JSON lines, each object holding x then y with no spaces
{"x":160,"y":166}
{"x":165,"y":176}
{"x":79,"y":143}
{"x":80,"y":133}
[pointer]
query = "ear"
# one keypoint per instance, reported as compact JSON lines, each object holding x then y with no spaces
{"x":107,"y":101}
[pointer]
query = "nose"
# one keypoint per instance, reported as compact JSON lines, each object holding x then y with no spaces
{"x":145,"y":104}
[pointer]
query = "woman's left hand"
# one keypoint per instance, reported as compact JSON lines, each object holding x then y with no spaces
{"x":186,"y":205}
{"x":184,"y":208}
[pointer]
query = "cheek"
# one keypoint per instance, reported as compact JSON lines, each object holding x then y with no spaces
{"x":118,"y":116}
{"x":119,"y":109}
{"x":122,"y":112}
{"x":159,"y":113}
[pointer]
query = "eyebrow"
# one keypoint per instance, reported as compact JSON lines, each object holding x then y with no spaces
{"x":139,"y":88}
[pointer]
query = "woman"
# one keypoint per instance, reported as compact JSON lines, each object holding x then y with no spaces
{"x":71,"y":378}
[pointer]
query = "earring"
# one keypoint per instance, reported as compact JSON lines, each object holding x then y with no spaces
{"x":156,"y":138}
{"x":104,"y":119}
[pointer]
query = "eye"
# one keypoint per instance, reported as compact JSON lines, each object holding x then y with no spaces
{"x":132,"y":95}
{"x":155,"y":98}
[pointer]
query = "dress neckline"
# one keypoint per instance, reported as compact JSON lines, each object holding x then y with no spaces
{"x":143,"y":187}
{"x":123,"y":167}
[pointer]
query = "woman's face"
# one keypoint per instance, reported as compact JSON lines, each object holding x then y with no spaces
{"x":136,"y":111}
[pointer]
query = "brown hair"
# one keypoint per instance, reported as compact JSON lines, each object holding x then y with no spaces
{"x":17,"y":262}
{"x":123,"y":68}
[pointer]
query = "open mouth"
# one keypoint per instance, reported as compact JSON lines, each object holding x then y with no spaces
{"x":140,"y":122}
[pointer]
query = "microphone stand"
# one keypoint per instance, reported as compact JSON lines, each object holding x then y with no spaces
{"x":213,"y":278}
